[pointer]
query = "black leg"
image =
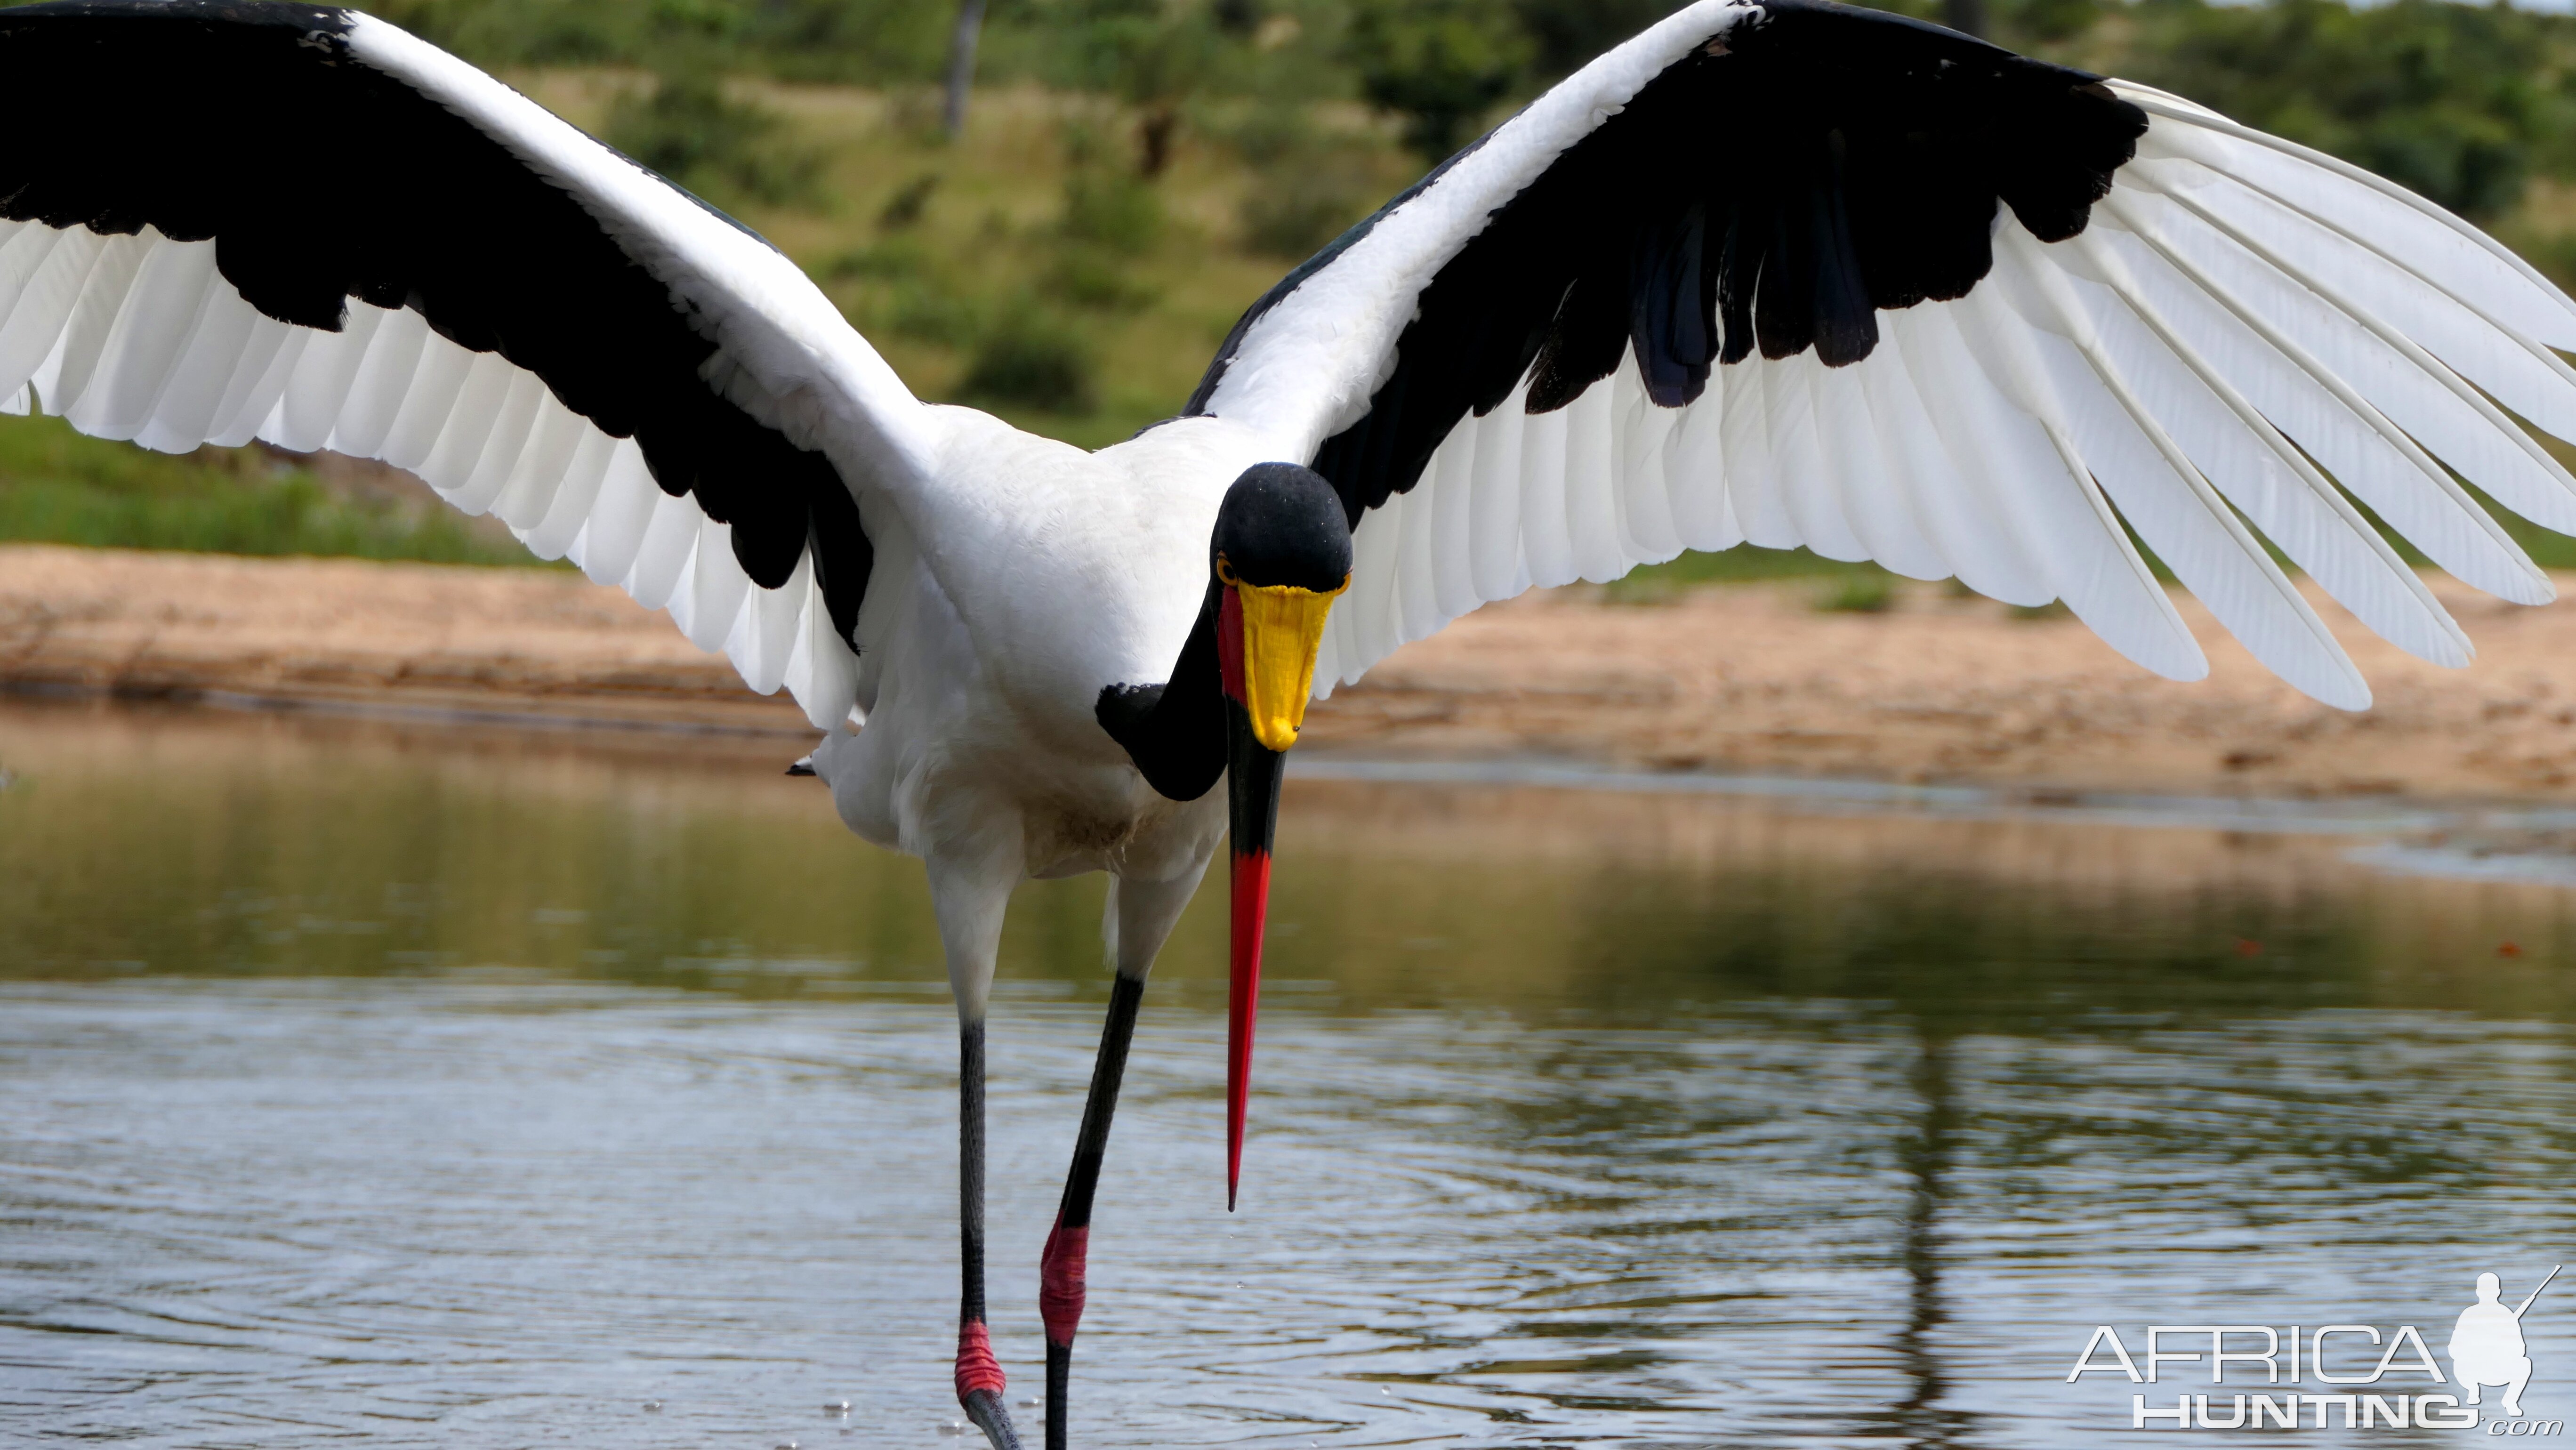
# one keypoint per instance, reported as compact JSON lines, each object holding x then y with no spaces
{"x":1060,"y":1269}
{"x":979,"y":1375}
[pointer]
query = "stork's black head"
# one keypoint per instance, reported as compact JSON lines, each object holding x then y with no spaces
{"x":1282,"y":526}
{"x":1281,"y":550}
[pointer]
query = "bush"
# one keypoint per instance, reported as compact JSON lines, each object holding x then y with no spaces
{"x":1088,"y":277}
{"x":730,"y":152}
{"x":892,"y":259}
{"x":903,"y":210}
{"x":1569,"y":33}
{"x":1296,"y":207}
{"x":1871,"y":593}
{"x":1440,"y":64}
{"x":2446,"y":99}
{"x":1111,"y":209}
{"x":925,"y":312}
{"x":1031,"y":357}
{"x":863,"y":42}
{"x":1271,"y":131}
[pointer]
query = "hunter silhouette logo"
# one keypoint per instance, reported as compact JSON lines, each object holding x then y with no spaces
{"x":2349,"y":1376}
{"x":2487,"y":1347}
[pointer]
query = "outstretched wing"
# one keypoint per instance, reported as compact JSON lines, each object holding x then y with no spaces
{"x":1792,"y":273}
{"x":222,"y":221}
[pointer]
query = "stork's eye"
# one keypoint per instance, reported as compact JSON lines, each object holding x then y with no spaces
{"x":1225,"y":571}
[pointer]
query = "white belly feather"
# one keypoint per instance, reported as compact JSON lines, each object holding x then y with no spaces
{"x":1049,"y":575}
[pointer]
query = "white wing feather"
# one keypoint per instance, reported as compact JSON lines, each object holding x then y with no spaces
{"x":2246,"y":331}
{"x":140,"y":337}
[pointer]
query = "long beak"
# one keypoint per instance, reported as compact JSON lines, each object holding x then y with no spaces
{"x":1252,"y":787}
{"x":1267,"y":638}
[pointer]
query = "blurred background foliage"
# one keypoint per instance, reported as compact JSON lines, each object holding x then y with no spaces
{"x":1133,"y":173}
{"x":2465,"y":103}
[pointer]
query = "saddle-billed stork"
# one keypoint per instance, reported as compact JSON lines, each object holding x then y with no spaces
{"x":1781,"y":273}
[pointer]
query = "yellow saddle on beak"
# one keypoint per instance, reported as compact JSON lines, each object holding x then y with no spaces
{"x":1283,"y":629}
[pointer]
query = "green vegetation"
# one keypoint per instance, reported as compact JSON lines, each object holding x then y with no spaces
{"x":1135,"y":172}
{"x":2466,"y":103}
{"x":1743,"y":564}
{"x":735,"y":154}
{"x":1440,"y":64}
{"x":59,"y":487}
{"x":1858,"y":593}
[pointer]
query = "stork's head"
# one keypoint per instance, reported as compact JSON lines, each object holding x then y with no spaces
{"x":1281,"y":553}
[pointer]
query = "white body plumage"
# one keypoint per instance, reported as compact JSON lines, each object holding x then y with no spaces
{"x":1060,"y":574}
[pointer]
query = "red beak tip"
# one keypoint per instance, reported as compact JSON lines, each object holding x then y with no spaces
{"x":1251,"y":899}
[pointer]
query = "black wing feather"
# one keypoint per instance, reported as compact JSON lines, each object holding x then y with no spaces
{"x":322,"y":179}
{"x":1770,"y":192}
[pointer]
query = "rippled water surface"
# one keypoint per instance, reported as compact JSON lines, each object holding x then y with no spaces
{"x":393,"y":1086}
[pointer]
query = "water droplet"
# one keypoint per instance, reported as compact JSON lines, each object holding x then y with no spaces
{"x":953,"y":1427}
{"x":836,"y":1407}
{"x":1238,"y":1283}
{"x":652,"y":1406}
{"x":1030,"y":1402}
{"x":786,"y":1445}
{"x":1386,"y":1389}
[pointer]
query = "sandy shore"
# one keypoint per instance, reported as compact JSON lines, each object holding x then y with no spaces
{"x":1740,"y":679}
{"x":348,"y":632}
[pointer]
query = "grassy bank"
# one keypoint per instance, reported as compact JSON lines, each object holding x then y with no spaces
{"x":58,"y":487}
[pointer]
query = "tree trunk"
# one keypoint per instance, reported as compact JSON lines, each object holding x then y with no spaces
{"x":961,"y":62}
{"x":1154,"y":140}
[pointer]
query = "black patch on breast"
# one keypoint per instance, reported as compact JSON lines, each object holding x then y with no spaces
{"x":1827,"y":164}
{"x":321,"y":179}
{"x":1175,"y":731}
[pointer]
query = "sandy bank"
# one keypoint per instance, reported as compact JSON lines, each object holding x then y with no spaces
{"x":1755,"y":680}
{"x":1743,"y":679}
{"x":352,"y":632}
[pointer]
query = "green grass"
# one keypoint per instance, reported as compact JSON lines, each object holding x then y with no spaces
{"x":1743,"y":564}
{"x":2548,"y":550}
{"x":57,"y":487}
{"x":1858,"y":594}
{"x":1026,"y":268}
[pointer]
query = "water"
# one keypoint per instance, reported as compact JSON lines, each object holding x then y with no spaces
{"x":398,"y":1086}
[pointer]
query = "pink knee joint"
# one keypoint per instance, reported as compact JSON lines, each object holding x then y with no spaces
{"x":976,"y":1367}
{"x":1060,"y":1281}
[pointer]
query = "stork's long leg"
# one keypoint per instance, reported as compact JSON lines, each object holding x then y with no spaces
{"x":970,"y":903}
{"x":1142,"y":913}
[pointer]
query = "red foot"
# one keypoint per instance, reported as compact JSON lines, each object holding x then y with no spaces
{"x":976,"y":1367}
{"x":1060,"y":1281}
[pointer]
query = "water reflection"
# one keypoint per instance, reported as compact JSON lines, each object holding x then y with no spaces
{"x":475,"y":1088}
{"x":1924,"y":1413}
